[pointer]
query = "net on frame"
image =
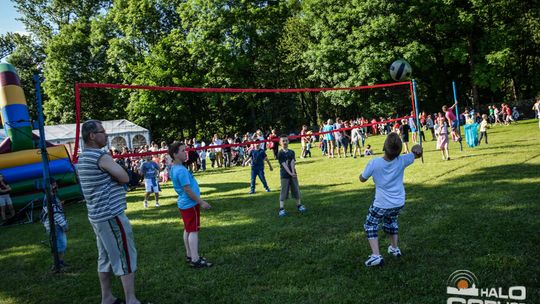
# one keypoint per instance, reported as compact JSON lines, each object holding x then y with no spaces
{"x":375,"y":107}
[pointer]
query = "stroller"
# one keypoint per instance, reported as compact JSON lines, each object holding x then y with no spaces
{"x":237,"y":156}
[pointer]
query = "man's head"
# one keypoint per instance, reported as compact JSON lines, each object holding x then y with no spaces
{"x":392,"y":146}
{"x":284,"y":141}
{"x":444,"y":108}
{"x":94,"y":134}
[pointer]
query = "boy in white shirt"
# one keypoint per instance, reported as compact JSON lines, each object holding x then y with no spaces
{"x":389,"y":199}
{"x":483,"y":128}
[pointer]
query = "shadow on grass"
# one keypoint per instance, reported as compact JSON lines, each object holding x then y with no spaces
{"x":482,"y":221}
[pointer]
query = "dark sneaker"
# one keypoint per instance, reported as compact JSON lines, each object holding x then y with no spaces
{"x":201,"y":263}
{"x":301,"y":208}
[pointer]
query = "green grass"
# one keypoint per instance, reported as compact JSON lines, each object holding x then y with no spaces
{"x":478,"y":211}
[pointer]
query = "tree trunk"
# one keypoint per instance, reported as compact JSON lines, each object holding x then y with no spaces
{"x":513,"y":86}
{"x":474,"y":89}
{"x":253,"y":116}
{"x":317,"y":114}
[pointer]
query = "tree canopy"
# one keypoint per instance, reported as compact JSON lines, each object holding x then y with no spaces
{"x":490,"y":48}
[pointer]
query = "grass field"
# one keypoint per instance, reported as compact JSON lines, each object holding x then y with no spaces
{"x":479,"y":211}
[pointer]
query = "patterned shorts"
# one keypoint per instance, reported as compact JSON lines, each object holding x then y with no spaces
{"x":376,"y":215}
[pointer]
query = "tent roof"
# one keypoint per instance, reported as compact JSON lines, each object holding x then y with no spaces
{"x":67,"y":131}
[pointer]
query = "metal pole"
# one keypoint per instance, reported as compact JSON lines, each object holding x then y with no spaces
{"x":46,"y":174}
{"x":78,"y":123}
{"x":457,"y":115}
{"x":416,"y":112}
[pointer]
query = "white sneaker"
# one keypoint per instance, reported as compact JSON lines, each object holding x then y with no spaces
{"x":374,"y":260}
{"x":394,"y":251}
{"x":145,"y":204}
{"x":157,"y":204}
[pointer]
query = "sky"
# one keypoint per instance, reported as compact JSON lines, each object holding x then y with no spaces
{"x":7,"y":18}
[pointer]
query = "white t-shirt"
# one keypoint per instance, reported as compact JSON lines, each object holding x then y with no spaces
{"x":483,"y":125}
{"x":356,"y":135}
{"x":338,"y":134}
{"x":388,"y":178}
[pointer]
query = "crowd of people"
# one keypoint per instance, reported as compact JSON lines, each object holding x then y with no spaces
{"x":335,"y":138}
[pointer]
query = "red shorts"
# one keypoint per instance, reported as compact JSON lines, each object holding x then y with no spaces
{"x":191,"y":218}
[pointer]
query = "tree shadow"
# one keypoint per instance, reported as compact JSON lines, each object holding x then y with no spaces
{"x":481,"y":221}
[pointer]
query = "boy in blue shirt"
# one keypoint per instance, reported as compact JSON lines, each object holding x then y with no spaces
{"x":258,"y":157}
{"x":189,"y":203}
{"x":150,"y":171}
{"x":389,"y":199}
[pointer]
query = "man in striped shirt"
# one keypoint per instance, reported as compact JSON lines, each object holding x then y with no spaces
{"x":102,"y":181}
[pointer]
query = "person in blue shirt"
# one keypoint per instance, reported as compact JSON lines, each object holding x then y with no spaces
{"x":329,"y":137}
{"x":189,"y":203}
{"x":150,"y":171}
{"x":258,"y":157}
{"x":387,"y":173}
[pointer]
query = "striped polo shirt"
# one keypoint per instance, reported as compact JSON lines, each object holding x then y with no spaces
{"x":105,"y":198}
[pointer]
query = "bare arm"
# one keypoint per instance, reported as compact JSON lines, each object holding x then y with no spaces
{"x":284,"y":164}
{"x":362,"y":179}
{"x":293,"y":167}
{"x":195,"y":198}
{"x":107,"y":164}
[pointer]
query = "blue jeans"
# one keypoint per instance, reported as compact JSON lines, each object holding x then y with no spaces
{"x":323,"y":147}
{"x":61,"y":239}
{"x":203,"y":164}
{"x":260,"y":173}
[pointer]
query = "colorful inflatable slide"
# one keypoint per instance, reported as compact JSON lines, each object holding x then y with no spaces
{"x":20,"y":160}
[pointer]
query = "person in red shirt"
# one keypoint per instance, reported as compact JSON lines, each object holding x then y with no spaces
{"x":508,"y":113}
{"x":395,"y":128}
{"x":423,"y":125}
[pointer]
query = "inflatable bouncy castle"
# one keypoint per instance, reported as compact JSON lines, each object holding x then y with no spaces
{"x":20,"y":158}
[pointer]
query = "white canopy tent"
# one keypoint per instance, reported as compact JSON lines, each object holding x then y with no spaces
{"x":122,"y":133}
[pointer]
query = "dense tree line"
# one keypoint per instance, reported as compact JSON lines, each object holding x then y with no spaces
{"x":490,"y":48}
